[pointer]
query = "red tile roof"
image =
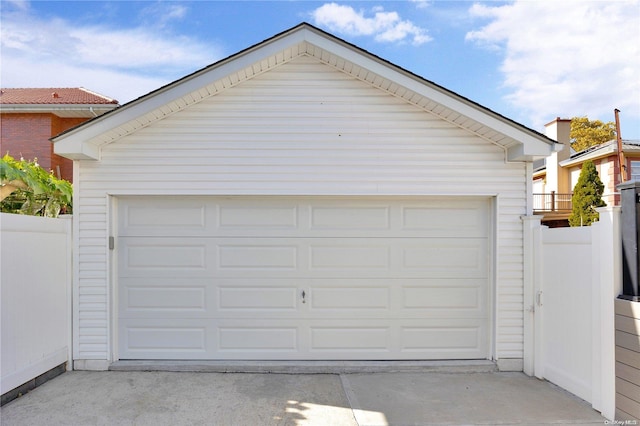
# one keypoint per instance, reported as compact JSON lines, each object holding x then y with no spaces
{"x":52,"y":96}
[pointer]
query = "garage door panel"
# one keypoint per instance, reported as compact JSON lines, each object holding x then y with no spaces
{"x":147,"y":216}
{"x":257,"y":340}
{"x":347,"y":298}
{"x":183,"y":298}
{"x":341,"y":217}
{"x":296,"y":217}
{"x":243,"y":216}
{"x":269,"y":255}
{"x":257,"y":297}
{"x":162,"y":257}
{"x":154,"y":298}
{"x":363,"y":255}
{"x":242,"y":299}
{"x":450,"y":296}
{"x":383,"y":278}
{"x":175,"y":339}
{"x":354,"y":257}
{"x":302,"y":339}
{"x":465,"y":339}
{"x":446,"y":258}
{"x":461,"y":219}
{"x":166,"y":298}
{"x":350,"y":339}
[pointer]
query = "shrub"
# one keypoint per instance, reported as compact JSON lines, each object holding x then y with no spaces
{"x":28,"y":189}
{"x":587,"y":195}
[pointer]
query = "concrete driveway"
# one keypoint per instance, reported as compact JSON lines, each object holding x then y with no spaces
{"x":188,"y":398}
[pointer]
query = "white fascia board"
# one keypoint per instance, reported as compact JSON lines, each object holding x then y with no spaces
{"x":531,"y":151}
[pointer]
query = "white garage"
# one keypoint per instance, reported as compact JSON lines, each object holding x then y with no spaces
{"x":300,"y":200}
{"x":303,"y":278}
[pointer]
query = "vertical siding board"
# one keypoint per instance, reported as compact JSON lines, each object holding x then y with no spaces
{"x":298,"y":130}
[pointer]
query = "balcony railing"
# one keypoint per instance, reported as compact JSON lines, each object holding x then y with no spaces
{"x":552,"y":202}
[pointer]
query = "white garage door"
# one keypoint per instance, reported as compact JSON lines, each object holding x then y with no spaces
{"x":302,"y":278}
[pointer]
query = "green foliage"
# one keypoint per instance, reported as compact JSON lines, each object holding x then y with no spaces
{"x":29,"y":189}
{"x":587,"y":195}
{"x":586,"y":133}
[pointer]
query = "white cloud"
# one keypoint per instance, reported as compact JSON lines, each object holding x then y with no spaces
{"x":120,"y":63}
{"x":18,"y":4}
{"x":422,"y":4}
{"x":161,"y":14}
{"x":566,"y":58}
{"x":384,"y":26}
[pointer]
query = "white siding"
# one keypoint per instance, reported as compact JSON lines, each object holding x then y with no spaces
{"x":301,"y":129}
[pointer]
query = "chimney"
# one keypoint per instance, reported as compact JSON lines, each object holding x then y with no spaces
{"x":55,"y":95}
{"x":557,"y":177}
{"x":559,"y":130}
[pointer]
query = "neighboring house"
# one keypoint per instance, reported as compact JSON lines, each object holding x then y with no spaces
{"x":605,"y":157}
{"x":30,"y":117}
{"x":300,"y":200}
{"x":555,"y":177}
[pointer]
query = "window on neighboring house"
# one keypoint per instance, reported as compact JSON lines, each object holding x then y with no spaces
{"x":635,"y":170}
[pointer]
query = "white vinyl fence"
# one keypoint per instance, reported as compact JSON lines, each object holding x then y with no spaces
{"x":35,"y":292}
{"x":575,"y":279}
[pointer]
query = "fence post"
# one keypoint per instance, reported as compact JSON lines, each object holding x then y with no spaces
{"x":607,"y":285}
{"x":532,"y":273}
{"x":69,"y":287}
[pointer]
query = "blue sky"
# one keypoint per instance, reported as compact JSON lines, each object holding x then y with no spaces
{"x":529,"y":60}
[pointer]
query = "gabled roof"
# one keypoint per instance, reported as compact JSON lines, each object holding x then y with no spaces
{"x":61,"y":101}
{"x":519,"y":142}
{"x":603,"y":150}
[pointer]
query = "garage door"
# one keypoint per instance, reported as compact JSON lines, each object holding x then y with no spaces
{"x":302,"y":278}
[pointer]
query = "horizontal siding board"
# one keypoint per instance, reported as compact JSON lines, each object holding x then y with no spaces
{"x":628,"y":340}
{"x":302,"y":128}
{"x":93,"y":325}
{"x":627,"y":389}
{"x":628,"y":357}
{"x":296,"y":174}
{"x":628,"y":325}
{"x":87,"y":290}
{"x":628,"y":406}
{"x":628,"y":373}
{"x":627,"y":308}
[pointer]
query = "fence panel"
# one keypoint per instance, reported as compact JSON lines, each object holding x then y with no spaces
{"x":35,"y":288}
{"x":565,"y":303}
{"x":575,"y":277}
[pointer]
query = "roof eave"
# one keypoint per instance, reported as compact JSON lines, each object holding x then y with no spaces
{"x":53,"y":108}
{"x":529,"y":150}
{"x":598,"y":153}
{"x":519,"y":142}
{"x":78,"y":151}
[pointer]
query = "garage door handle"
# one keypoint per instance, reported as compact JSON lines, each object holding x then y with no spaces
{"x":303,"y":297}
